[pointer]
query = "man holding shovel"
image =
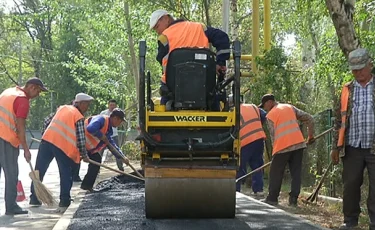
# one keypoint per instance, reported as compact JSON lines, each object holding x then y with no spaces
{"x":99,"y":135}
{"x":288,"y":145}
{"x":64,"y":139}
{"x":14,"y":109}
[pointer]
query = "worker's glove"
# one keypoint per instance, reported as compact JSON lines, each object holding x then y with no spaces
{"x":86,"y":159}
{"x":104,"y":138}
{"x":221,"y":70}
{"x":125,"y":160}
{"x":310,"y":140}
{"x":164,"y":91}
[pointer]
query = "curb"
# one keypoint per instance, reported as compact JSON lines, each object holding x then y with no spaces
{"x":282,"y":211}
{"x":64,"y":221}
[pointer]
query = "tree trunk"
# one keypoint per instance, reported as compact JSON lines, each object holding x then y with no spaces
{"x":131,"y":48}
{"x":206,"y":6}
{"x":342,"y":13}
{"x":234,"y":24}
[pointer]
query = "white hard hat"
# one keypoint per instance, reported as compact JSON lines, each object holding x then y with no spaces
{"x":83,"y":97}
{"x":155,"y":16}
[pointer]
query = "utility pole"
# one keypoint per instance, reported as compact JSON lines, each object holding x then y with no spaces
{"x":226,"y":10}
{"x":20,"y":63}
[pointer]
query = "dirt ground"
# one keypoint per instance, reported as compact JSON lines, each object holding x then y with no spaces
{"x":323,"y":214}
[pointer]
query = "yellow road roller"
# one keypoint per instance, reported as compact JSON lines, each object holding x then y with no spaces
{"x":190,"y":146}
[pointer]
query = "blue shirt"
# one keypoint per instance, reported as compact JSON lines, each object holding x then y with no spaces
{"x":362,"y":118}
{"x":263,"y":115}
{"x":95,"y":125}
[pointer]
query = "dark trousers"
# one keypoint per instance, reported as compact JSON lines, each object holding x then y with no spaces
{"x":75,"y":172}
{"x":252,"y":155}
{"x":9,"y":163}
{"x":92,"y":172}
{"x":354,"y":163}
{"x":279,"y":161}
{"x":46,"y":152}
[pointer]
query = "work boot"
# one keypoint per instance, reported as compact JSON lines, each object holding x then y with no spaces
{"x":293,"y":201}
{"x":77,"y":179}
{"x":17,"y":210}
{"x":271,"y":202}
{"x":87,"y":189}
{"x":35,"y":202}
{"x":258,"y":194}
{"x":349,"y":225}
{"x":65,"y":203}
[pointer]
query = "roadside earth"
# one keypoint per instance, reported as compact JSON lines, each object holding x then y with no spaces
{"x":321,"y":213}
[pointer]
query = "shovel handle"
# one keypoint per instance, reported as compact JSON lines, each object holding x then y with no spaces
{"x":117,"y":152}
{"x":115,"y":170}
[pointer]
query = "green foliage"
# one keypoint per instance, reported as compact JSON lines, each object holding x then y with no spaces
{"x":132,"y":150}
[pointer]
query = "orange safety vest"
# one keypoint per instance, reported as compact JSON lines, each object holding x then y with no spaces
{"x":286,"y":129}
{"x":61,"y":132}
{"x":251,"y":126}
{"x":183,"y":34}
{"x":8,"y":117}
{"x":344,"y":108}
{"x":92,"y":141}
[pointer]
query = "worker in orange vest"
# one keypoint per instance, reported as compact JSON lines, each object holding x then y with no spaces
{"x":252,"y":145}
{"x":98,"y":135}
{"x":180,"y":33}
{"x":288,"y":146}
{"x":354,"y":138}
{"x":65,"y":140}
{"x":14,"y":109}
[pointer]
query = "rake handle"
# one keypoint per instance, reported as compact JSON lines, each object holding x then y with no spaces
{"x":267,"y":164}
{"x":313,"y":195}
{"x":115,"y":170}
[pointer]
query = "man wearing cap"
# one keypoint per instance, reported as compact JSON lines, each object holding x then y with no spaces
{"x":353,"y":139}
{"x":180,"y":33}
{"x":112,"y":104}
{"x":99,"y":135}
{"x":14,"y":109}
{"x":288,"y":145}
{"x":64,"y":139}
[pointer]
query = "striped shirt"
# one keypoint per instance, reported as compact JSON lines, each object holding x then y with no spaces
{"x":362,"y":120}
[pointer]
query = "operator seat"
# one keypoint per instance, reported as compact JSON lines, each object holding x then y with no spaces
{"x":191,"y":78}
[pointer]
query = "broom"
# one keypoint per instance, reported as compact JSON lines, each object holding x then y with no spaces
{"x":41,"y":192}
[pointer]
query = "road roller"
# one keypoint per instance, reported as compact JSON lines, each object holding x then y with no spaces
{"x":190,"y":144}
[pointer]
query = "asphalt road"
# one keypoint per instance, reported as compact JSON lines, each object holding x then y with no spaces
{"x":119,"y":204}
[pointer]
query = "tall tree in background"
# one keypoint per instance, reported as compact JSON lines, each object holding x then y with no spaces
{"x":342,"y":13}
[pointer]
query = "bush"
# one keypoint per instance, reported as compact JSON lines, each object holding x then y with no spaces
{"x":132,"y":150}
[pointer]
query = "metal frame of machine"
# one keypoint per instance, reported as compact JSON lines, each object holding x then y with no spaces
{"x":194,"y":178}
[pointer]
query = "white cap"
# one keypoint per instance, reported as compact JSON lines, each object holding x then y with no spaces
{"x":155,"y":16}
{"x":83,"y":97}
